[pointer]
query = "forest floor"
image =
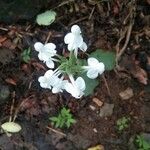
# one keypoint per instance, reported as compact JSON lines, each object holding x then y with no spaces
{"x":122,"y":27}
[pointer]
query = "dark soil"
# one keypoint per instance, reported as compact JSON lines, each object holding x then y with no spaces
{"x":101,"y":23}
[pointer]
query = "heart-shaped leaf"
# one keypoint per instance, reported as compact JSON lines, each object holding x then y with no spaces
{"x":107,"y":57}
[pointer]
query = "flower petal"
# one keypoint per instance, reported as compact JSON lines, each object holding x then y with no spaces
{"x":69,"y":88}
{"x":50,"y":46}
{"x":56,"y":90}
{"x":70,"y":47}
{"x":80,"y":83}
{"x":75,"y":29}
{"x":48,"y":73}
{"x":38,"y":46}
{"x":92,"y":74}
{"x":43,"y":56}
{"x":92,"y":61}
{"x":69,"y":38}
{"x":50,"y":63}
{"x":43,"y":82}
{"x":78,"y":41}
{"x":100,"y":67}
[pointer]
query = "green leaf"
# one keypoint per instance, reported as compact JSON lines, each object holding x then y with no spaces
{"x":90,"y":84}
{"x":108,"y":58}
{"x":46,"y":18}
{"x":53,"y":119}
{"x":26,"y":55}
{"x":64,"y":119}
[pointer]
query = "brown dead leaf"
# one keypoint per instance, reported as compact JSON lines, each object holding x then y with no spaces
{"x":97,"y":101}
{"x":97,"y":147}
{"x":30,"y":106}
{"x":26,"y":68}
{"x":2,"y":39}
{"x":133,"y":67}
{"x":11,"y":81}
{"x":38,"y":66}
{"x":9,"y":44}
{"x":140,"y":74}
{"x":126,"y":94}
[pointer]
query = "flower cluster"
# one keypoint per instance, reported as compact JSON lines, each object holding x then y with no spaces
{"x":55,"y":79}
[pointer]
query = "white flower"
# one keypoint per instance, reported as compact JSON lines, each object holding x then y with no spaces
{"x":51,"y":80}
{"x":74,"y":40}
{"x":94,"y":68}
{"x":76,"y":87}
{"x":46,"y":52}
{"x":45,"y":81}
{"x":59,"y":85}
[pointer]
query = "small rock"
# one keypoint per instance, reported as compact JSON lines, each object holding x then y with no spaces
{"x":97,"y":101}
{"x":127,"y":94}
{"x":92,"y":107}
{"x":95,"y":130}
{"x":106,"y":110}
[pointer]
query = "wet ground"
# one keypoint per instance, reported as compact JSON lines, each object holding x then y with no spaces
{"x":95,"y":115}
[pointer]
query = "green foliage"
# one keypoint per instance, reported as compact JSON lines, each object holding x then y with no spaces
{"x":64,"y":119}
{"x":71,"y":65}
{"x":108,"y":58}
{"x":26,"y":55}
{"x":141,"y":143}
{"x":123,"y":123}
{"x":46,"y":18}
{"x":90,"y":84}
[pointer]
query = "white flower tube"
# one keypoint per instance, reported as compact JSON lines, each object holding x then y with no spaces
{"x":74,"y":40}
{"x":94,"y":68}
{"x":76,"y":87}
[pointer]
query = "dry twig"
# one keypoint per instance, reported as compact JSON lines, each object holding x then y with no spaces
{"x":106,"y":84}
{"x":126,"y":33}
{"x":56,"y":131}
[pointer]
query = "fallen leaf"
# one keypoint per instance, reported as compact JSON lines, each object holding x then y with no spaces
{"x":106,"y":110}
{"x":97,"y":147}
{"x":11,"y":81}
{"x":11,"y":127}
{"x":30,"y":106}
{"x":38,"y":66}
{"x":97,"y":101}
{"x":46,"y":18}
{"x":126,"y":94}
{"x":2,"y":39}
{"x":9,"y":44}
{"x":133,"y":67}
{"x":140,"y":74}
